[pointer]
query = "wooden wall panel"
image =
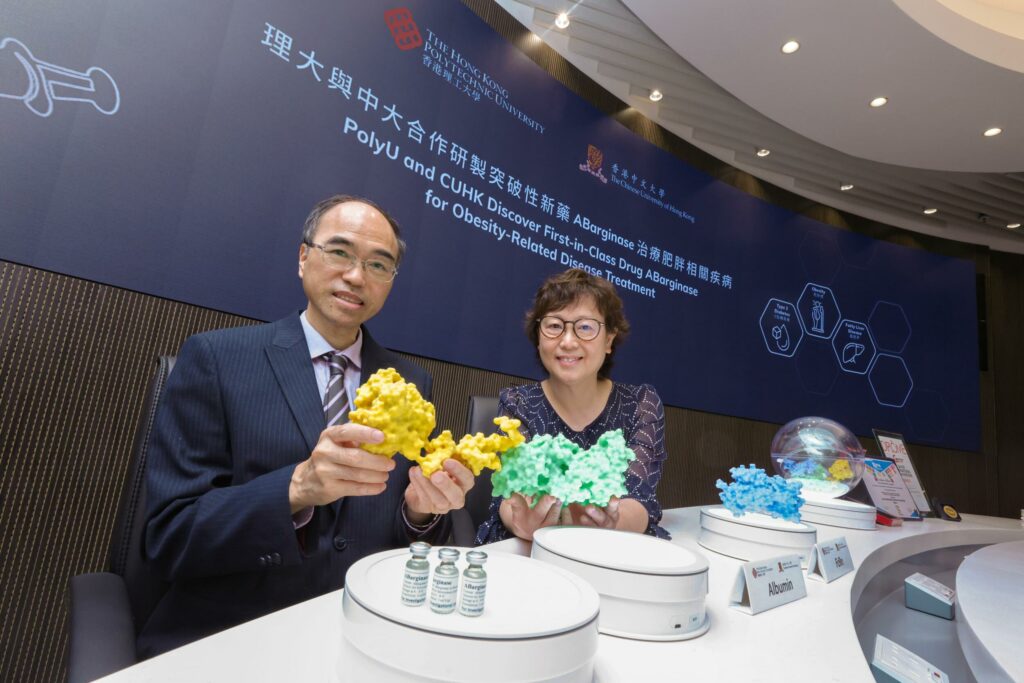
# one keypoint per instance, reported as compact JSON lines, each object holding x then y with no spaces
{"x":1006,"y":332}
{"x":74,"y":358}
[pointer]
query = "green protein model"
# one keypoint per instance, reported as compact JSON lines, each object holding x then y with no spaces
{"x":556,"y":466}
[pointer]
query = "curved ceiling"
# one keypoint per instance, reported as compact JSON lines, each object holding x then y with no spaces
{"x":941,"y":99}
{"x":988,"y":29}
{"x":729,"y":90}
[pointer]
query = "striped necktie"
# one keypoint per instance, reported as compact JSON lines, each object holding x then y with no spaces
{"x":335,"y":400}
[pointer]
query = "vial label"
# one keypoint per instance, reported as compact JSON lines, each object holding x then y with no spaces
{"x":443,"y":594}
{"x":473,"y":592}
{"x":414,"y":587}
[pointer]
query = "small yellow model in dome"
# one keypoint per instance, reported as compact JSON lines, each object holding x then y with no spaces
{"x":840,"y":471}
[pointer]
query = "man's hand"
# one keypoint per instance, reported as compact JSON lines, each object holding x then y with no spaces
{"x":522,"y":520}
{"x":338,"y":468}
{"x":445,"y":490}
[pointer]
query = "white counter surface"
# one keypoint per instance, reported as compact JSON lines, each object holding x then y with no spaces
{"x":811,"y":640}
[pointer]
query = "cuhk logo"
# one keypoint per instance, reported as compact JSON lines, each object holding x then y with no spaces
{"x":595,"y":158}
{"x":403,"y":29}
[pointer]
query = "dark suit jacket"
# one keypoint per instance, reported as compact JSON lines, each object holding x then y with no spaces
{"x":240,"y":410}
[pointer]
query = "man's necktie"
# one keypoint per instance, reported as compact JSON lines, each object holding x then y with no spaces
{"x":335,"y":400}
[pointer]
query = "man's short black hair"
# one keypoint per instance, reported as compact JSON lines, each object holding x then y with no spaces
{"x":322,"y":207}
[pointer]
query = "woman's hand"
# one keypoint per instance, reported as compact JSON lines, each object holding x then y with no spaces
{"x":522,"y":520}
{"x":591,"y":515}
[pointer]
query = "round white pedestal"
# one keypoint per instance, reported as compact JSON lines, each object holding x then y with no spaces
{"x":754,"y":536}
{"x":539,"y":622}
{"x":650,"y":589}
{"x":846,"y":514}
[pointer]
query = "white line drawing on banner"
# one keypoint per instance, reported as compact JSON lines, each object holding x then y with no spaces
{"x":818,"y":317}
{"x":47,"y":82}
{"x":781,"y":336}
{"x":852,"y":351}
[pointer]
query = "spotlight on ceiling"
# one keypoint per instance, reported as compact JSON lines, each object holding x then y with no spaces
{"x":879,"y":102}
{"x":845,"y":187}
{"x":562,"y":20}
{"x":992,"y":132}
{"x":1013,"y":226}
{"x":929,"y":211}
{"x":790,"y":47}
{"x":656,"y":95}
{"x":763,"y":152}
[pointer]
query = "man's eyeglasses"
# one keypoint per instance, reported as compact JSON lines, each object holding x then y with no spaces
{"x":342,"y":259}
{"x":585,"y":329}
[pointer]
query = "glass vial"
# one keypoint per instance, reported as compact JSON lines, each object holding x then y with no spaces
{"x":445,"y":587}
{"x":474,"y":585}
{"x":417,"y":571}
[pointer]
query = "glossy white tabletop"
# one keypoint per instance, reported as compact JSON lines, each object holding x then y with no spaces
{"x":811,"y":640}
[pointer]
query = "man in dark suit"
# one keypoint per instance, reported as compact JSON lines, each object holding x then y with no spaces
{"x":259,"y":493}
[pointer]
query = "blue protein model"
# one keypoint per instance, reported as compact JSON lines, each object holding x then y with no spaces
{"x":752,"y":490}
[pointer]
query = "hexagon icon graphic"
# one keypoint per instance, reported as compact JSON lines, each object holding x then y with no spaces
{"x":890,"y":380}
{"x":780,"y":327}
{"x":853,"y":347}
{"x":889,"y":327}
{"x":819,"y":311}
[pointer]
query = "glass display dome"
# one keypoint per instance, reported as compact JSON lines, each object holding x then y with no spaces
{"x":821,"y":454}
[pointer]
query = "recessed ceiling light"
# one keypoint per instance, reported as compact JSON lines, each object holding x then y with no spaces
{"x":930,"y":210}
{"x":790,"y":47}
{"x":992,"y":132}
{"x":879,"y":102}
{"x":1012,"y":226}
{"x":656,"y":96}
{"x":845,"y":187}
{"x":763,"y":152}
{"x":562,"y":20}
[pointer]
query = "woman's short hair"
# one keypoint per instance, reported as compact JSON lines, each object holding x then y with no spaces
{"x":563,"y":290}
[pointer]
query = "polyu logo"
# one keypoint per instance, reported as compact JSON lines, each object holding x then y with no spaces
{"x":403,"y":29}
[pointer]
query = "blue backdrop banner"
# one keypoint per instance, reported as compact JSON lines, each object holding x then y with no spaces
{"x":175,"y":149}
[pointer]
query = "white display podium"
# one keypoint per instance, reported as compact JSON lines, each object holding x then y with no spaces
{"x":650,"y":589}
{"x":542,"y":620}
{"x":845,"y":514}
{"x":754,"y":536}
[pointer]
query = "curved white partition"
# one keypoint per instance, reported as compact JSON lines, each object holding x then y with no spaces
{"x":990,"y":621}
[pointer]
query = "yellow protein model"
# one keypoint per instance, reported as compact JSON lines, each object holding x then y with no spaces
{"x":388,"y":403}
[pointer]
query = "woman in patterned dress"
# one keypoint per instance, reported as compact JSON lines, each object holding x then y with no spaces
{"x":576,"y":324}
